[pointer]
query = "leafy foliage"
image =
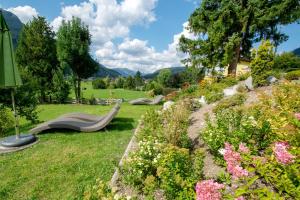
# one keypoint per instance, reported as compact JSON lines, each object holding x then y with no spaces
{"x":226,"y":30}
{"x":293,"y":75}
{"x":6,"y":120}
{"x":61,"y":87}
{"x":99,"y":84}
{"x":262,"y":63}
{"x":36,"y":54}
{"x":73,"y":40}
{"x":287,"y":61}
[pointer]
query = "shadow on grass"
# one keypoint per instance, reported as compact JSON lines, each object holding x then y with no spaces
{"x":117,"y":124}
{"x":121,"y":124}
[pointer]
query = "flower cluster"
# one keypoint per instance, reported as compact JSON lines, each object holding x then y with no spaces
{"x":233,"y":161}
{"x":243,"y":148}
{"x":208,"y":190}
{"x":297,"y":115}
{"x":281,"y":153}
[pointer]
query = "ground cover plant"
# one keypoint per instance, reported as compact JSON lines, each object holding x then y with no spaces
{"x":164,"y":159}
{"x":64,"y":162}
{"x":259,"y":146}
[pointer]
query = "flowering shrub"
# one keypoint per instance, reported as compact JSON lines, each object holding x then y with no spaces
{"x":233,"y":161}
{"x":168,"y":126}
{"x":261,"y":177}
{"x":142,"y":163}
{"x":236,"y":126}
{"x":208,"y":190}
{"x":281,"y":153}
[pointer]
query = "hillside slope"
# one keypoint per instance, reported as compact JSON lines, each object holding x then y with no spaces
{"x":14,"y":24}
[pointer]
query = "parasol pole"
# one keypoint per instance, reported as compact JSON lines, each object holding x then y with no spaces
{"x":15,"y":114}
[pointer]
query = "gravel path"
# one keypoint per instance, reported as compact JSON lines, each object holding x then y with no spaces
{"x":210,"y":169}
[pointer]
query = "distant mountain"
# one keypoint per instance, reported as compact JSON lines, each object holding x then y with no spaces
{"x":174,"y":70}
{"x":125,"y":71}
{"x":14,"y":24}
{"x":297,"y":51}
{"x":104,"y":72}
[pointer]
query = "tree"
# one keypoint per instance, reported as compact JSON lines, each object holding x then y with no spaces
{"x":129,"y":83}
{"x":73,"y":41}
{"x":119,"y":82}
{"x":138,"y":79}
{"x":226,"y":30}
{"x":287,"y":61}
{"x":99,"y":84}
{"x":164,"y":77}
{"x":262,"y":63}
{"x":36,"y":53}
{"x":61,"y":87}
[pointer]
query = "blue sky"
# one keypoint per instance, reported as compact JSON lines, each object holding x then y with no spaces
{"x":137,"y":34}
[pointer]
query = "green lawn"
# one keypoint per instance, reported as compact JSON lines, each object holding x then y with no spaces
{"x":64,"y":162}
{"x":108,"y":93}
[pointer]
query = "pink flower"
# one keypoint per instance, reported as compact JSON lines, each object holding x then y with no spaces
{"x":281,"y":153}
{"x":208,"y":190}
{"x":230,"y":155}
{"x":243,"y":148}
{"x":297,"y":115}
{"x":233,"y":161}
{"x":240,"y":198}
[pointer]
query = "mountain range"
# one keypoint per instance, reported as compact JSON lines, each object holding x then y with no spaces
{"x":14,"y":24}
{"x":174,"y":70}
{"x":297,"y":51}
{"x":125,"y":72}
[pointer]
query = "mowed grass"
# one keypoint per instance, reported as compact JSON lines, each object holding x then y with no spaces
{"x":88,"y":92}
{"x":64,"y":163}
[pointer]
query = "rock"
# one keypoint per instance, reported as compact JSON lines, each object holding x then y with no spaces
{"x":202,"y":100}
{"x":230,"y":91}
{"x":249,"y":83}
{"x":272,"y":79}
{"x":168,"y":105}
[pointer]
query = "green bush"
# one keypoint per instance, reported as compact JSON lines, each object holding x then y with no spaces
{"x":235,"y":100}
{"x":244,"y":76}
{"x":61,"y":87}
{"x":175,"y":172}
{"x":292,"y":75}
{"x":262,"y":63}
{"x":213,"y":97}
{"x":287,"y":61}
{"x":99,"y":84}
{"x":6,"y":120}
{"x":235,"y":126}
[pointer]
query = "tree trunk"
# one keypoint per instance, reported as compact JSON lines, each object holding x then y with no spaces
{"x":78,"y":90}
{"x":233,"y":65}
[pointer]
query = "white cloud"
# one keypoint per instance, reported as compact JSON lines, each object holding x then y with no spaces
{"x":24,"y":13}
{"x":109,"y":19}
{"x":139,"y":55}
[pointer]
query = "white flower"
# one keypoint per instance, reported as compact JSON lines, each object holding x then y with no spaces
{"x":222,"y":151}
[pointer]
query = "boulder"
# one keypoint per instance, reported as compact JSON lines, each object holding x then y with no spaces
{"x":249,"y":83}
{"x":230,"y":91}
{"x":168,"y":105}
{"x":272,"y":79}
{"x":202,"y":100}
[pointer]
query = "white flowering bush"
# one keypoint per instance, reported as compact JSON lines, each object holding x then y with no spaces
{"x":142,"y":163}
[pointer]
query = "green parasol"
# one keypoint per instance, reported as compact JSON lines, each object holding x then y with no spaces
{"x":10,"y":78}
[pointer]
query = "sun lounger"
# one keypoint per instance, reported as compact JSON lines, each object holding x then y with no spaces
{"x":145,"y":101}
{"x":79,"y":122}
